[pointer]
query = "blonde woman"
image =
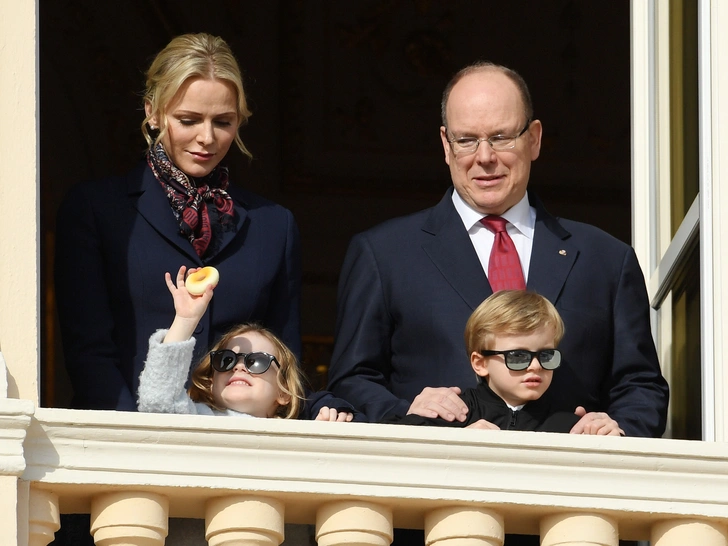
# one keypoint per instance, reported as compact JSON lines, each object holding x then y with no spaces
{"x":117,"y":237}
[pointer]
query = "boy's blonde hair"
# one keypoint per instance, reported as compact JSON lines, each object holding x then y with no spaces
{"x":290,"y":377}
{"x":510,"y":312}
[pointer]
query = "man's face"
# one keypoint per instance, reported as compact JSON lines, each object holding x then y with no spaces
{"x":484,"y":104}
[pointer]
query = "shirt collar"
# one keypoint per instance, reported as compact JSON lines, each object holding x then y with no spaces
{"x":521,"y":215}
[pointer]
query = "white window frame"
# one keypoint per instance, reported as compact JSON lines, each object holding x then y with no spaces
{"x":662,"y":256}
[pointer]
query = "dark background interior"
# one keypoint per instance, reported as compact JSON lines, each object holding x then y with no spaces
{"x":345,"y":98}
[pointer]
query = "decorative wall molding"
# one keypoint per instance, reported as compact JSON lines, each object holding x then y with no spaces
{"x":15,"y":417}
{"x":522,"y":475}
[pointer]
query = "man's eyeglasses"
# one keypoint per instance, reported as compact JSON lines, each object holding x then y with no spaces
{"x":469,"y":145}
{"x":518,"y":360}
{"x":256,"y":363}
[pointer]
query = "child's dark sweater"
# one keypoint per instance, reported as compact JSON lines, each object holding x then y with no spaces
{"x":483,"y":403}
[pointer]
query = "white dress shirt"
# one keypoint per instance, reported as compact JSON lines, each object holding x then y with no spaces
{"x":521,"y":225}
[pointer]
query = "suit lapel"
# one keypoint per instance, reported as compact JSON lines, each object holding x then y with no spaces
{"x":240,"y":216}
{"x":452,"y":252}
{"x":552,"y":255}
{"x":149,"y":199}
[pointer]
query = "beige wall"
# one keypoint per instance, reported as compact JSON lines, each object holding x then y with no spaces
{"x":8,"y":509}
{"x":19,"y":196}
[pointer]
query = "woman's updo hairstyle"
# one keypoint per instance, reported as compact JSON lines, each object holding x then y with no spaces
{"x":191,"y":56}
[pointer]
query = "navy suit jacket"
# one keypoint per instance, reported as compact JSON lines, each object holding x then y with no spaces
{"x":408,"y":286}
{"x":117,"y":237}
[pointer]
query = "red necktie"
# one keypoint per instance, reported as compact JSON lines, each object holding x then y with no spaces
{"x":504,"y":267}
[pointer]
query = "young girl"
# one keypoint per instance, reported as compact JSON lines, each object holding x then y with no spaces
{"x":249,"y":372}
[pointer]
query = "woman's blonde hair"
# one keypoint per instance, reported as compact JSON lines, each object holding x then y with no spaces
{"x":510,"y":312}
{"x":290,"y":377}
{"x":191,"y":56}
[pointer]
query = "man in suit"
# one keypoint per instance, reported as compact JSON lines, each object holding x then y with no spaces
{"x":408,"y":286}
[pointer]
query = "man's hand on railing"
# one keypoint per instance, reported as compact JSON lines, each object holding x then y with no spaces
{"x":595,"y":423}
{"x":442,"y":402}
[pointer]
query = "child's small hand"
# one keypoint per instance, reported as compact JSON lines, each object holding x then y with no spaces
{"x":330,"y":414}
{"x":188,"y":308}
{"x":597,"y":423}
{"x":484,"y":425}
{"x":186,"y":305}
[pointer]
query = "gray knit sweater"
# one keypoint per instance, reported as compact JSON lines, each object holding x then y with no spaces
{"x":162,"y":381}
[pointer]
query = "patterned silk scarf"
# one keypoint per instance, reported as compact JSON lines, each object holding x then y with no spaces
{"x":190,"y":199}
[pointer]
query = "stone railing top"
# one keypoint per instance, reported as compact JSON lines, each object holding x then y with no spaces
{"x":306,"y":463}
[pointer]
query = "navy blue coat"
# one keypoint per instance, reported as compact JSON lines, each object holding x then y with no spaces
{"x":117,"y":237}
{"x":408,"y":286}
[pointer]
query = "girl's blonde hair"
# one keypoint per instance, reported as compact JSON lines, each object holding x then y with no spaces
{"x":510,"y":312}
{"x":191,"y":56}
{"x":290,"y":377}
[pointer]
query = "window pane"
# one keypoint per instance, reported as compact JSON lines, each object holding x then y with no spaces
{"x":685,"y":395}
{"x":683,"y":108}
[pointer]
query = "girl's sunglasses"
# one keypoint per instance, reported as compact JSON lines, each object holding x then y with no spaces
{"x":256,"y":363}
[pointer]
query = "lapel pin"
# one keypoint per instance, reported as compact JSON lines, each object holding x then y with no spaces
{"x":562,"y":252}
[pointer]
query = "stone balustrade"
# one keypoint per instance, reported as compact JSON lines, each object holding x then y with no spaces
{"x":355,"y":482}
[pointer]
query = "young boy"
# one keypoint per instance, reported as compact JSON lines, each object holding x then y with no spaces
{"x":511,"y":339}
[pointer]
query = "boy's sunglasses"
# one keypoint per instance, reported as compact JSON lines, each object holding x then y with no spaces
{"x":256,"y":363}
{"x":518,"y":360}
